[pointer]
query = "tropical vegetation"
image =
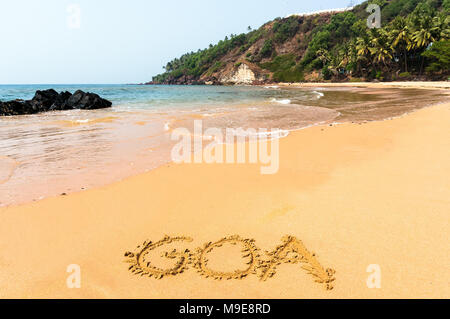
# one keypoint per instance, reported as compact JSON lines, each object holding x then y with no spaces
{"x":413,"y":42}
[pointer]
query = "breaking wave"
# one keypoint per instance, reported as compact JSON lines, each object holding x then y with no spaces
{"x":284,"y":101}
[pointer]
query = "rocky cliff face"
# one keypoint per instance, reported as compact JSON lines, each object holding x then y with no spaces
{"x":242,"y":75}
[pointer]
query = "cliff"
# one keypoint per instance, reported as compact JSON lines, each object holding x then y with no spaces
{"x":333,"y":45}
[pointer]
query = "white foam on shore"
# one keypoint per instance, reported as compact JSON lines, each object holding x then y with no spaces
{"x":270,"y":135}
{"x":272,"y":87}
{"x":319,"y":94}
{"x":83,"y":121}
{"x":285,"y":101}
{"x":167,"y":126}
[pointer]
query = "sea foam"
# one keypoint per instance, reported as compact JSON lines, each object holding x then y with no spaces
{"x":285,"y":101}
{"x":319,"y":94}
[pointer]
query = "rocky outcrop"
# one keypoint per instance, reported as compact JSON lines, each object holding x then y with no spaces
{"x":50,"y":100}
{"x":243,"y":75}
{"x":182,"y":80}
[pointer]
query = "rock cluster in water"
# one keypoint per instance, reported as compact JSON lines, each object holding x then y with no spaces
{"x":50,"y":100}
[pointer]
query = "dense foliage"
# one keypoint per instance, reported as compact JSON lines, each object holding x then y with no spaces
{"x":413,"y":41}
{"x":195,"y":64}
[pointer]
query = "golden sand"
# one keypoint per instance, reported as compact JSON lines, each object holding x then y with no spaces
{"x":416,"y":85}
{"x":346,"y":197}
{"x":67,"y":123}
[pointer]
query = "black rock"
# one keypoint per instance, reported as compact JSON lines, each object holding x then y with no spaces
{"x":45,"y":98}
{"x":87,"y":101}
{"x":60,"y":103}
{"x":75,"y":99}
{"x":16,"y":107}
{"x":50,"y":100}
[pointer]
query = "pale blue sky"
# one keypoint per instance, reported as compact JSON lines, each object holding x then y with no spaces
{"x":122,"y":41}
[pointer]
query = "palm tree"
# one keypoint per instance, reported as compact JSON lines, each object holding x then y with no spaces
{"x":362,"y":49}
{"x":423,"y":36}
{"x":346,"y":55}
{"x":380,"y":54}
{"x":401,"y":36}
{"x":380,"y":49}
{"x":350,"y":56}
{"x":333,"y":65}
{"x":362,"y":52}
{"x":322,"y":55}
{"x":441,"y":30}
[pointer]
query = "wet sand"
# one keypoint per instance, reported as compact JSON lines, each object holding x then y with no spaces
{"x":408,"y":84}
{"x":354,"y":194}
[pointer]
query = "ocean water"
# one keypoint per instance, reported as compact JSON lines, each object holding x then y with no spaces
{"x":52,"y":153}
{"x":160,"y":96}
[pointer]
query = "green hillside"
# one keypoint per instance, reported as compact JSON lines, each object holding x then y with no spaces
{"x":413,"y":42}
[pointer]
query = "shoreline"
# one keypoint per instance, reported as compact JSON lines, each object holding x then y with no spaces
{"x":440,"y":85}
{"x":66,"y":176}
{"x":436,"y":85}
{"x":401,"y":161}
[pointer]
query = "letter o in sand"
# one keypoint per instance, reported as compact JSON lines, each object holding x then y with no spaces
{"x":249,"y":251}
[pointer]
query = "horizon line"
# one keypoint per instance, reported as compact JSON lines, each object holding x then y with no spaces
{"x":69,"y":83}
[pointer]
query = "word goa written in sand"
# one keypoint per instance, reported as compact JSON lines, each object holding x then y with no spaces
{"x":291,"y":251}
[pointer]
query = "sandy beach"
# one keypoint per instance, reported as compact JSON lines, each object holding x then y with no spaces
{"x":438,"y":85}
{"x":353,"y":194}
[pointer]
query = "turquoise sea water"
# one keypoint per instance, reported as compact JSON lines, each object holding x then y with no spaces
{"x":163,"y":96}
